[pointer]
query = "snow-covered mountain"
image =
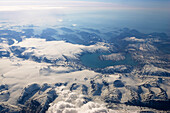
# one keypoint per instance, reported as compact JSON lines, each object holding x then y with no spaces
{"x":44,"y":73}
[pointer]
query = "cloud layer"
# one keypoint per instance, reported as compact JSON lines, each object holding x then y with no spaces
{"x":74,"y":103}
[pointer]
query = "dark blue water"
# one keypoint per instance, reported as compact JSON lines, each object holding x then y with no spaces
{"x":93,"y":61}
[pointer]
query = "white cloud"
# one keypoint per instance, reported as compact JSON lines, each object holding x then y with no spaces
{"x":74,"y":25}
{"x":74,"y":103}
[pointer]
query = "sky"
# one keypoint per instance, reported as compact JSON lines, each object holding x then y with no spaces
{"x":128,"y":3}
{"x":134,"y":12}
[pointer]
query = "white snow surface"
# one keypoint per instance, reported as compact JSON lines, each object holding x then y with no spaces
{"x":23,"y":72}
{"x":56,"y":49}
{"x":19,"y":73}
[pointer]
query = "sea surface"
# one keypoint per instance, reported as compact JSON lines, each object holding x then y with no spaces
{"x":93,"y":61}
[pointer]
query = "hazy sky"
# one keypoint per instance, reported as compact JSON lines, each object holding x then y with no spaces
{"x":140,"y":14}
{"x":124,"y":4}
{"x":137,"y":3}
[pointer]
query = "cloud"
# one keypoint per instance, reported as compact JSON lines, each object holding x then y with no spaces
{"x":72,"y":102}
{"x":65,"y":107}
{"x":68,"y":107}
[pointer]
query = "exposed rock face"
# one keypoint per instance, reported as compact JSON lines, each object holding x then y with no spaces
{"x":118,"y":83}
{"x":113,"y":57}
{"x":4,"y":53}
{"x":28,"y":92}
{"x":40,"y":103}
{"x":114,"y":96}
{"x":6,"y":108}
{"x":36,"y":98}
{"x":4,"y":93}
